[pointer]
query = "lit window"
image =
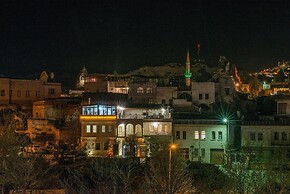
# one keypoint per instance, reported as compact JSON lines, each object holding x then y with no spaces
{"x":213,"y":135}
{"x":203,"y":135}
{"x":149,"y":90}
{"x":220,"y":135}
{"x":110,"y":129}
{"x":140,"y":90}
{"x":129,"y":130}
{"x":159,"y":128}
{"x":196,"y":135}
{"x":121,"y":131}
{"x":138,"y":130}
{"x":88,"y":127}
{"x":103,"y":128}
{"x":94,"y":128}
{"x":165,"y":129}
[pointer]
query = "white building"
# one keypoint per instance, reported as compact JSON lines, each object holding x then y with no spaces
{"x":201,"y":140}
{"x":203,"y":93}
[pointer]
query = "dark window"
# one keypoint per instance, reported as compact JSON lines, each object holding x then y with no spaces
{"x":2,"y":92}
{"x":213,"y":135}
{"x":200,"y":96}
{"x":18,"y":93}
{"x":276,"y":136}
{"x":282,"y":108}
{"x":98,"y":146}
{"x":284,"y":136}
{"x":184,"y":134}
{"x":220,"y":135}
{"x":260,"y":136}
{"x":206,"y":96}
{"x":37,"y":93}
{"x":106,"y":146}
{"x":227,"y":91}
{"x":27,"y":93}
{"x":195,"y":153}
{"x":252,"y":136}
{"x":177,"y":134}
{"x":51,"y":91}
{"x":202,"y":152}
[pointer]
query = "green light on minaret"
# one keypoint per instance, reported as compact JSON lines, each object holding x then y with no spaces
{"x":187,"y":74}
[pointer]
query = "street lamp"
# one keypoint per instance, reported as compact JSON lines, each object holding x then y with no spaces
{"x":227,"y":122}
{"x":172,"y":146}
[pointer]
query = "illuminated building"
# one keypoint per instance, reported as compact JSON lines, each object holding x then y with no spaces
{"x":24,"y":92}
{"x":98,"y":130}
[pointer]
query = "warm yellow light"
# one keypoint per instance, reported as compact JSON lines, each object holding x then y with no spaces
{"x":98,"y":117}
{"x":173,"y":146}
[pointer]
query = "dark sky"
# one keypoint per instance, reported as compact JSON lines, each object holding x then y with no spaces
{"x":64,"y":36}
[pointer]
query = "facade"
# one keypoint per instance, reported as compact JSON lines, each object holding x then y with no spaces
{"x":137,"y":125}
{"x":266,"y":141}
{"x":226,"y":89}
{"x":107,"y":83}
{"x":201,"y":140}
{"x":143,"y":93}
{"x":283,"y":107}
{"x":114,"y":131}
{"x":55,"y":122}
{"x":25,"y":92}
{"x":203,"y":93}
{"x":165,"y":95}
{"x":98,"y":130}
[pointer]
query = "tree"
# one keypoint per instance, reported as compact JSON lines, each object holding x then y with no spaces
{"x":157,"y":173}
{"x":16,"y":171}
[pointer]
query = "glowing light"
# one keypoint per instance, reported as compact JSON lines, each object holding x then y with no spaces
{"x":172,"y":146}
{"x":97,"y":117}
{"x":225,"y":120}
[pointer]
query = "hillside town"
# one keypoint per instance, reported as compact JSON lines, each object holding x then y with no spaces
{"x":210,"y":115}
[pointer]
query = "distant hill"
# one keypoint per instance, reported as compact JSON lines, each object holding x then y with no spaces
{"x":173,"y":69}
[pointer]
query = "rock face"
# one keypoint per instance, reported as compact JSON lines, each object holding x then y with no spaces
{"x":172,"y":70}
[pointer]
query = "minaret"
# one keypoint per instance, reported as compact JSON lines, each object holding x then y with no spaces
{"x":198,"y":51}
{"x":187,"y":70}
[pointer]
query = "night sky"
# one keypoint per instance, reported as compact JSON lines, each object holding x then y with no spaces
{"x":103,"y":36}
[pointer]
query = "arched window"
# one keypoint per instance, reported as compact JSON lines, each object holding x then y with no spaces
{"x":129,"y":130}
{"x":149,"y":90}
{"x":140,"y":90}
{"x":121,"y":130}
{"x":138,"y":130}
